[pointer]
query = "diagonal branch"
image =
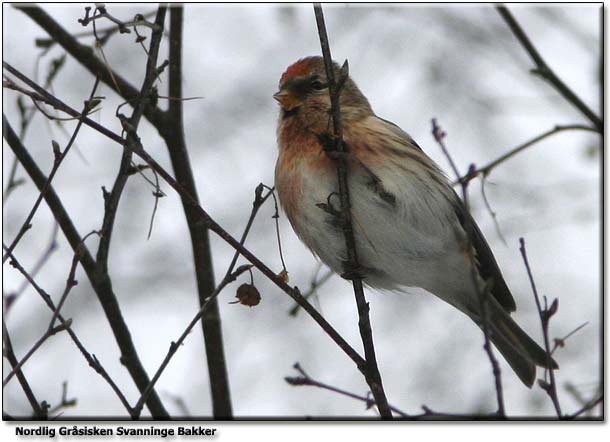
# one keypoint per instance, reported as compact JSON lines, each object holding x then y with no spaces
{"x":60,"y":105}
{"x":101,"y":284}
{"x":372,"y":375}
{"x":486,"y":170}
{"x":305,"y":379}
{"x":169,"y":124}
{"x":48,"y":333}
{"x":86,"y":56}
{"x":174,"y":346}
{"x":91,"y":359}
{"x":74,"y":239}
{"x":9,"y":354}
{"x":59,"y":156}
{"x":546,"y":72}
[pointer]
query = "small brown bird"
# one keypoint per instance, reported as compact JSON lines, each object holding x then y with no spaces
{"x":408,"y":221}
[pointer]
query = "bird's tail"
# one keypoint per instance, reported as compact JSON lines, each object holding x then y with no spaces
{"x":520,"y":351}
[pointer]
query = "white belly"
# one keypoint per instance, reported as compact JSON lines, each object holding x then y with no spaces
{"x":411,"y":243}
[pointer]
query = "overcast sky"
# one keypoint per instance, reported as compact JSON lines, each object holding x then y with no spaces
{"x":459,"y":64}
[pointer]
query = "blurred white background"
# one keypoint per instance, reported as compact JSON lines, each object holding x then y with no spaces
{"x":459,"y":64}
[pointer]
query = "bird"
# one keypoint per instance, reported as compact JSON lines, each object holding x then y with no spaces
{"x":410,"y":226}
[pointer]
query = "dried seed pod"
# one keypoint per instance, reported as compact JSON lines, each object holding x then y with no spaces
{"x":284,"y":276}
{"x":248,"y":295}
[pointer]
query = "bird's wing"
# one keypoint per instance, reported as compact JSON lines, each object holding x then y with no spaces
{"x":401,"y":133}
{"x":487,"y":265}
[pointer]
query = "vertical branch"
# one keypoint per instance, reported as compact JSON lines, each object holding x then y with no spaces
{"x":111,"y":200}
{"x":372,"y":375}
{"x":173,"y":134}
{"x":482,"y":292}
{"x":545,"y":315}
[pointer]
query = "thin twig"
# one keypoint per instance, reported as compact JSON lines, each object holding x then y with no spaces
{"x":71,"y":281}
{"x":46,"y":97}
{"x":100,"y":283}
{"x":200,"y":215}
{"x":482,"y":293}
{"x":545,"y":316}
{"x":46,"y":254}
{"x":313,"y":288}
{"x":48,"y":333}
{"x":494,"y":217}
{"x":561,"y":342}
{"x":372,"y":375}
{"x":276,"y":217}
{"x":174,"y":346}
{"x":486,"y":170}
{"x":9,"y":354}
{"x":91,"y":359}
{"x":85,"y":56}
{"x":259,"y":200}
{"x":305,"y":379}
{"x":100,"y":48}
{"x":111,"y":200}
{"x":107,"y":32}
{"x":64,"y":401}
{"x":59,"y":157}
{"x":593,"y":403}
{"x":11,"y":183}
{"x":546,"y":72}
{"x":101,"y":12}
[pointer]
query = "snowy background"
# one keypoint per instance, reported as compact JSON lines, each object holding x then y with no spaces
{"x":459,"y":64}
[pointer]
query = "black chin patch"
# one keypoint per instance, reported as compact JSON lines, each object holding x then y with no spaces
{"x":290,"y":113}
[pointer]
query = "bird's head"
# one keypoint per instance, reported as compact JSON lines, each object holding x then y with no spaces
{"x":304,"y":86}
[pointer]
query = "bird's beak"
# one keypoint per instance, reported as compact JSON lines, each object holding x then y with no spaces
{"x":287,"y":100}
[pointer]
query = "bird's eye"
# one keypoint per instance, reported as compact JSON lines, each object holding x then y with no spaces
{"x":318,"y":85}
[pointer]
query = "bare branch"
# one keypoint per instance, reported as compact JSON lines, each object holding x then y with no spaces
{"x":482,"y":293}
{"x":59,"y":157}
{"x":546,"y":72}
{"x":101,"y":283}
{"x":46,"y":254}
{"x":202,"y":216}
{"x":174,"y":346}
{"x":592,"y":404}
{"x":91,"y":359}
{"x":372,"y":375}
{"x":50,"y":332}
{"x":305,"y":379}
{"x":545,"y":316}
{"x":313,"y":288}
{"x":9,"y":354}
{"x":85,"y":55}
{"x":60,"y":105}
{"x":172,"y":132}
{"x":111,"y":201}
{"x":64,"y":401}
{"x":486,"y":170}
